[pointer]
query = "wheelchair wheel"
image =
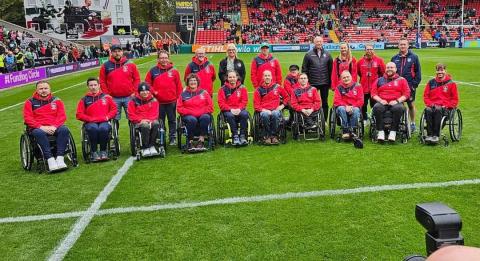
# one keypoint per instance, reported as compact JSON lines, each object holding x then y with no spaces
{"x":372,"y":129}
{"x":180,"y":132}
{"x":332,"y":122}
{"x":221,"y":128}
{"x":408,"y":129}
{"x":321,"y":125}
{"x":422,"y":132}
{"x":72,"y":150}
{"x":212,"y":134}
{"x":86,"y":150}
{"x":455,"y":125}
{"x":133,"y":146}
{"x":256,"y":127}
{"x":360,"y":127}
{"x":115,"y":143}
{"x":26,"y":152}
{"x":161,"y":142}
{"x":295,"y":124}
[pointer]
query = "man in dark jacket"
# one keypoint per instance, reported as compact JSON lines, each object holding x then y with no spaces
{"x":408,"y":66}
{"x":231,"y":63}
{"x":317,"y":64}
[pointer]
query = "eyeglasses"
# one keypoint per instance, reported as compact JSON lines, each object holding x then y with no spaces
{"x":369,"y":49}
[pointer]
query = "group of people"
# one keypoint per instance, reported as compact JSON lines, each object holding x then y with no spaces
{"x":162,"y":95}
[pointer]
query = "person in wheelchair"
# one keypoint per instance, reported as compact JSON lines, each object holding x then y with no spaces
{"x":44,"y":115}
{"x":232,"y":100}
{"x":348,"y":101}
{"x":195,"y":107}
{"x":267,"y":102}
{"x":143,"y":113}
{"x":305,"y":100}
{"x":440,"y":96}
{"x":389,"y":92}
{"x":95,"y":109}
{"x":292,"y":78}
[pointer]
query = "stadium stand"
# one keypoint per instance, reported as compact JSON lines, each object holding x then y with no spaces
{"x":295,"y":21}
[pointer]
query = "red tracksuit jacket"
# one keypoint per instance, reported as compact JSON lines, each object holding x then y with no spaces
{"x":195,"y":103}
{"x":261,"y":64}
{"x":390,"y":89}
{"x":289,"y":82}
{"x":165,"y":83}
{"x":205,"y":71}
{"x":441,"y":93}
{"x":232,"y":97}
{"x":119,"y":79}
{"x":348,"y":95}
{"x":48,"y":111}
{"x":369,"y":70}
{"x":339,"y":66}
{"x":143,"y":109}
{"x":96,"y":108}
{"x":305,"y":98}
{"x":268,"y":97}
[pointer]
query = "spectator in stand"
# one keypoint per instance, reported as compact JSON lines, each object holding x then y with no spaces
{"x":166,"y":87}
{"x":204,"y":69}
{"x":317,"y":64}
{"x":370,"y":67}
{"x":263,"y":62}
{"x":2,"y":63}
{"x":10,"y":63}
{"x":408,"y":66}
{"x":348,"y":100}
{"x":344,"y":62}
{"x":119,"y":78}
{"x":231,"y":63}
{"x":95,"y":109}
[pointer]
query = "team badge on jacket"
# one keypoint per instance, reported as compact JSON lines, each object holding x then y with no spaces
{"x":104,"y":102}
{"x":125,"y":68}
{"x":445,"y":88}
{"x":53,"y":105}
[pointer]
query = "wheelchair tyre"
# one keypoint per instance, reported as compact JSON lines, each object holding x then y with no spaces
{"x":180,"y":132}
{"x":86,"y":150}
{"x":212,"y":135}
{"x":26,"y":152}
{"x":455,"y":125}
{"x":133,"y":146}
{"x":115,"y":141}
{"x":256,"y":127}
{"x":321,"y":125}
{"x":221,"y":129}
{"x":332,"y":122}
{"x":295,"y":126}
{"x":422,"y":132}
{"x":72,"y":150}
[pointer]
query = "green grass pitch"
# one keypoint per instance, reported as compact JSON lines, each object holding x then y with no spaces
{"x":367,"y":226}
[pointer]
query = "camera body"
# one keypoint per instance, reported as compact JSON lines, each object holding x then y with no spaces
{"x":442,"y":223}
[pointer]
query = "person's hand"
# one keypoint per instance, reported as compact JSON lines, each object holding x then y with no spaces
{"x":383,"y":102}
{"x":269,"y":112}
{"x":393,"y":102}
{"x":304,"y":111}
{"x":46,"y":129}
{"x":309,"y":112}
{"x":235,"y":111}
{"x":348,"y":109}
{"x":437,"y":107}
{"x":132,"y":95}
{"x":279,"y":108}
{"x":144,"y":122}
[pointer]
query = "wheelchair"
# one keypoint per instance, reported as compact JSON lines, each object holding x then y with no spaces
{"x":113,"y":144}
{"x":136,"y":141}
{"x":335,"y":121}
{"x":259,"y":130}
{"x":451,"y":118}
{"x":299,"y":128}
{"x":225,"y":135}
{"x":404,"y":131}
{"x":31,"y":153}
{"x":182,"y":137}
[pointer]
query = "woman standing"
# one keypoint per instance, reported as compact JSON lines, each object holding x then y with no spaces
{"x":231,"y":63}
{"x":344,"y":62}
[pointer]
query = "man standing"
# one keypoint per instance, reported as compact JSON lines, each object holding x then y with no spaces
{"x":201,"y":66}
{"x":265,"y":62}
{"x":166,"y":87}
{"x":408,"y":66}
{"x":317,"y":64}
{"x":370,"y":68}
{"x":119,"y":78}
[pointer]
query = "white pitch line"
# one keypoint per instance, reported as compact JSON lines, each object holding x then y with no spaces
{"x":66,"y":88}
{"x":235,"y":200}
{"x":67,"y":243}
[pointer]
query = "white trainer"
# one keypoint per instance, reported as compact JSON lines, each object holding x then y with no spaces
{"x":153,"y":151}
{"x":52,"y":164}
{"x":392,"y":135}
{"x":146,"y":152}
{"x":381,"y":135}
{"x":61,"y":162}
